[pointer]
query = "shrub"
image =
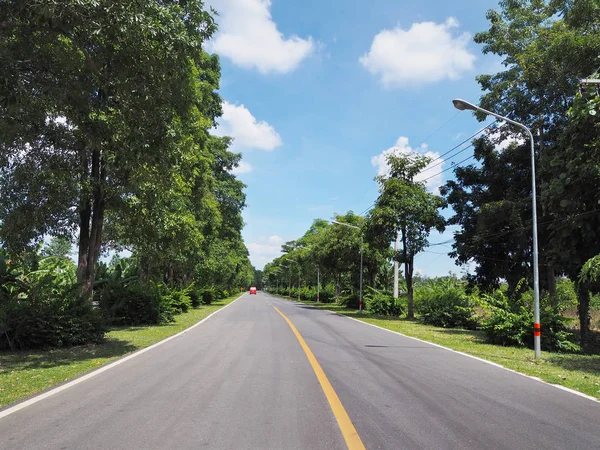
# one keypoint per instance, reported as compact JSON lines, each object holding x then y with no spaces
{"x":444,"y":303}
{"x":349,"y":300}
{"x":195,"y":298}
{"x":511,"y":323}
{"x":207,"y":295}
{"x":383,"y":304}
{"x":565,"y":297}
{"x":226,"y":293}
{"x":136,"y":304}
{"x":42,"y":309}
{"x":180,"y":300}
{"x":327,"y":293}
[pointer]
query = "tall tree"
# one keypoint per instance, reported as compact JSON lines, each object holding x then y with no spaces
{"x":492,"y":206}
{"x":404,"y":206}
{"x":547,"y":46}
{"x":97,"y":89}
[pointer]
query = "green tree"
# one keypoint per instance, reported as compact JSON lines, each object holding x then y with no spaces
{"x":101,"y":89}
{"x":547,"y":47}
{"x":492,"y":206}
{"x":404,"y":206}
{"x":59,"y":246}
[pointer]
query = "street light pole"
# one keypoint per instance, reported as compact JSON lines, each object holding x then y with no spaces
{"x":360,"y":299}
{"x":396,"y":268}
{"x":318,"y":283}
{"x":464,"y":105}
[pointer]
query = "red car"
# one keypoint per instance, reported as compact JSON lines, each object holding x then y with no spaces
{"x":253,"y":290}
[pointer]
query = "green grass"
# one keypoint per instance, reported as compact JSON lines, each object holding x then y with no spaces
{"x":576,"y":371}
{"x":25,"y":373}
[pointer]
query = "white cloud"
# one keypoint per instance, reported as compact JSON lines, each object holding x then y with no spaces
{"x":425,"y":53}
{"x":243,"y":167}
{"x":248,"y":133}
{"x":249,"y":37}
{"x":265,"y":250}
{"x":431,"y":174}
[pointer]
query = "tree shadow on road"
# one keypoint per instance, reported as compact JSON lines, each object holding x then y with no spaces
{"x":42,"y":359}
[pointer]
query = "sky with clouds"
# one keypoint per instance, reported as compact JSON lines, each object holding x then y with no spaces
{"x":317,"y":93}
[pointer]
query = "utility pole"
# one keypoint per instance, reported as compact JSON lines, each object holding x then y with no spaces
{"x":396,"y":266}
{"x":318,"y":283}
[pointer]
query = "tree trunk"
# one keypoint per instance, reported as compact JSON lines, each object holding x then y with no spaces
{"x":408,"y":275}
{"x":91,"y":213}
{"x":583,"y":307}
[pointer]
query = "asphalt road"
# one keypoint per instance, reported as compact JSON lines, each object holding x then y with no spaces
{"x":241,"y":380}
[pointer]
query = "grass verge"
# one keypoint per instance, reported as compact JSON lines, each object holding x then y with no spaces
{"x":576,"y":371}
{"x":25,"y":373}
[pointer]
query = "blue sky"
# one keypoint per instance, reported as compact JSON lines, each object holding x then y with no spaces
{"x":316,"y":91}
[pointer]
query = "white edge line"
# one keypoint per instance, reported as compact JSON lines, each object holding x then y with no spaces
{"x":572,"y":391}
{"x":104,"y":368}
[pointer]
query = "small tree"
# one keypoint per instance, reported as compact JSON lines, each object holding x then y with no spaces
{"x":59,"y":246}
{"x":404,"y":206}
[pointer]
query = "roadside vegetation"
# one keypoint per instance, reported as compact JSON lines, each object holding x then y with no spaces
{"x":546,"y":48}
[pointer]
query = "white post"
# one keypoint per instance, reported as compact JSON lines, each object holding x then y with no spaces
{"x":396,"y":266}
{"x":318,"y":283}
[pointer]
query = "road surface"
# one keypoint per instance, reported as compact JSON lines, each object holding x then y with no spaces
{"x":242,"y":380}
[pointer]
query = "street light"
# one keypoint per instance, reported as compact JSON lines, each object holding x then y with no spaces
{"x":463,"y":105}
{"x":360,"y":300}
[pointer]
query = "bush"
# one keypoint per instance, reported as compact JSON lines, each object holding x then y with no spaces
{"x":511,"y":323}
{"x":565,"y":298}
{"x":42,"y":309}
{"x":444,"y":303}
{"x":180,"y":300}
{"x":136,"y":304}
{"x":207,"y":295}
{"x":327,"y":294}
{"x":195,"y":298}
{"x":39,"y":322}
{"x":383,"y":304}
{"x":226,"y":294}
{"x":349,"y":301}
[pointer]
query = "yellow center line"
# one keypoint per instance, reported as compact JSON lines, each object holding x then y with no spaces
{"x":350,"y":434}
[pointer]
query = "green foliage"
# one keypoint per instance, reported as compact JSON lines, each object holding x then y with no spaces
{"x":383,"y":304}
{"x":443,"y":302}
{"x":58,"y":246}
{"x":179,"y":300}
{"x":405,"y":208}
{"x":511,"y":323}
{"x":565,"y":297}
{"x":42,"y":308}
{"x":207,"y":295}
{"x":135,"y":304}
{"x":348,"y":300}
{"x":590,"y":272}
{"x":327,"y":293}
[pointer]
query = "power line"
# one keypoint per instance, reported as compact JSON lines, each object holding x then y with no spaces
{"x":444,"y":160}
{"x":449,"y":168}
{"x":444,"y":154}
{"x":425,"y":140}
{"x":439,"y":128}
{"x":527,"y":227}
{"x":466,"y":140}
